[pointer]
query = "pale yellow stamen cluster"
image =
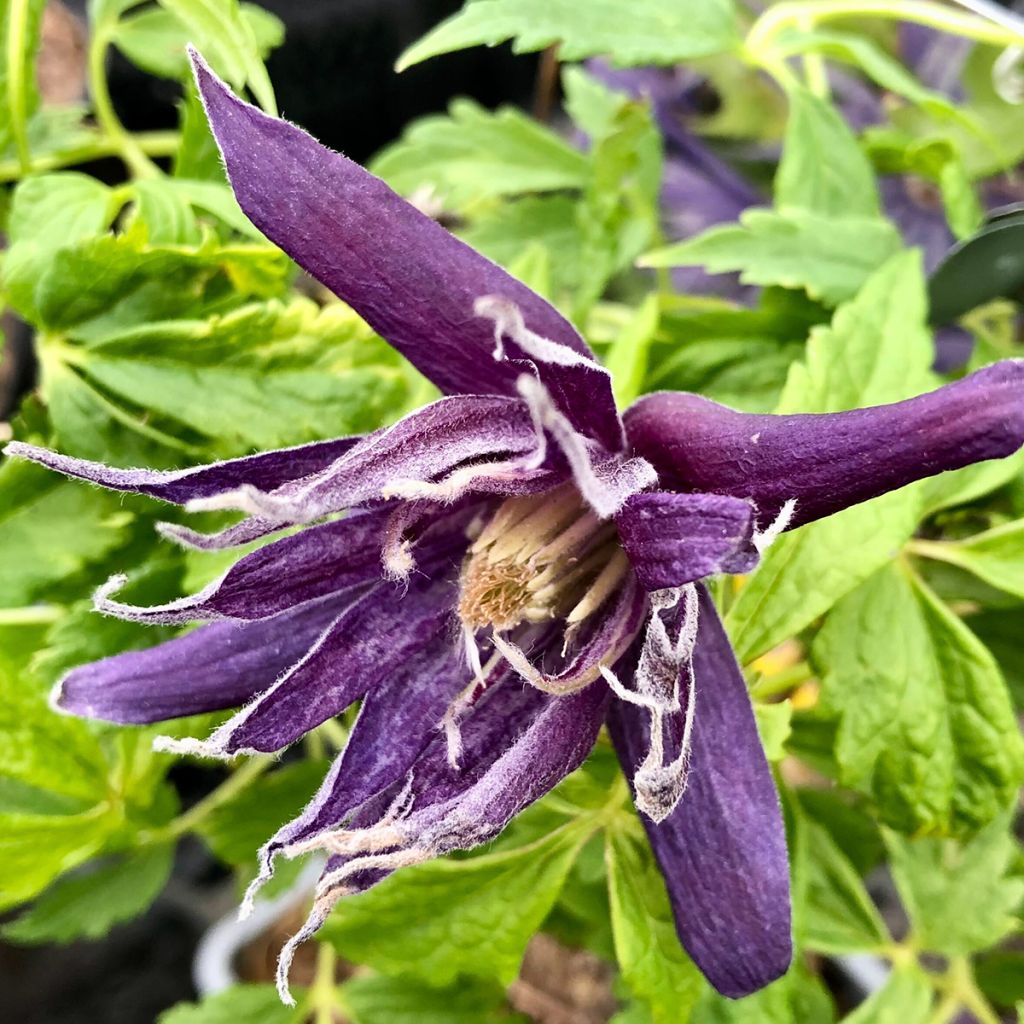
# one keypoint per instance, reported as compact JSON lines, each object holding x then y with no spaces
{"x":540,"y":557}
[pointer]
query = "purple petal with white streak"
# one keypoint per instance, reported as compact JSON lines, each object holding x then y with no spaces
{"x":217,"y":666}
{"x":722,"y":851}
{"x":829,"y":461}
{"x":408,"y":277}
{"x":673,"y":539}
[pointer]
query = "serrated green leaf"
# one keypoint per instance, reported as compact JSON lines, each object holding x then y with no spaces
{"x":88,"y":904}
{"x":995,"y":556}
{"x":251,"y":1004}
{"x":876,"y":350}
{"x":57,"y":209}
{"x":155,"y":39}
{"x":926,"y":727}
{"x":829,"y":256}
{"x":450,"y":917}
{"x":474,"y":154}
{"x":653,"y":963}
{"x":837,"y":913}
{"x":236,"y":830}
{"x":228,"y":41}
{"x":166,"y":215}
{"x":50,"y":529}
{"x":823,"y":170}
{"x":652,"y":32}
{"x":381,"y":1000}
{"x":960,"y":897}
{"x":905,"y":998}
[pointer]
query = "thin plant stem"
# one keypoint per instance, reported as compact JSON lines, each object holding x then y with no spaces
{"x":17,"y":17}
{"x":150,"y":143}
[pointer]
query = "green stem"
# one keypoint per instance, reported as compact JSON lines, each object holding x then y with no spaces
{"x":782,"y":682}
{"x":150,"y":143}
{"x":37,"y":616}
{"x":238,"y":780}
{"x":807,"y":13}
{"x":127,"y":148}
{"x":322,"y":1000}
{"x":16,"y":99}
{"x":936,"y":550}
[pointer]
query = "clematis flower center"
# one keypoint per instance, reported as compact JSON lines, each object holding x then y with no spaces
{"x":540,"y":557}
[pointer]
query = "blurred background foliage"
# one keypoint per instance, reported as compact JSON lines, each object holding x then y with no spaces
{"x":795,"y":176}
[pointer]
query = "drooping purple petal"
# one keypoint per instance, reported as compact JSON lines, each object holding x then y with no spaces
{"x":448,"y":444}
{"x":674,"y":539}
{"x":265,"y":471}
{"x":409,"y":278}
{"x":722,"y":851}
{"x":829,"y":461}
{"x":218,"y":666}
{"x":378,"y":636}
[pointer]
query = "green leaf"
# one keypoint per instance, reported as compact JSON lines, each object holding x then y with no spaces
{"x":474,"y":154}
{"x":926,"y":727}
{"x":154,"y":39}
{"x":970,"y":483}
{"x":797,"y":998}
{"x":876,"y":350}
{"x":88,"y":904}
{"x":50,"y":529}
{"x":653,"y":963}
{"x":264,"y":375}
{"x":237,"y":829}
{"x":251,"y":1004}
{"x":60,"y":208}
{"x":165,"y":213}
{"x":449,"y":917}
{"x":995,"y":556}
{"x":653,"y":31}
{"x":381,"y":1000}
{"x":823,"y":170}
{"x":627,"y":358}
{"x":36,"y":848}
{"x":20,"y":27}
{"x":837,"y":913}
{"x":961,"y":898}
{"x":906,"y":997}
{"x":228,"y":41}
{"x":829,"y":256}
{"x":774,"y":727}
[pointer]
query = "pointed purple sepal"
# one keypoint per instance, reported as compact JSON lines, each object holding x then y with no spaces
{"x":722,"y":850}
{"x":414,"y":282}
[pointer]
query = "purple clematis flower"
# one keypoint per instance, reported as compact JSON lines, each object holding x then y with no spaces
{"x":517,"y":566}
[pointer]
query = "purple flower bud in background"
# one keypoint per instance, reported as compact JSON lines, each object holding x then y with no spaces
{"x":515,"y":567}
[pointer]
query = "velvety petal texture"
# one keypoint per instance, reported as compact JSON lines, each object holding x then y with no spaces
{"x":829,"y":461}
{"x":217,"y":666}
{"x":408,"y":277}
{"x":674,"y":539}
{"x":723,"y":849}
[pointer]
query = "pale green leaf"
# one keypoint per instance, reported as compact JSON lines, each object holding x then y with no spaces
{"x":382,"y":1000}
{"x":926,"y":727}
{"x":961,"y":898}
{"x":906,"y":998}
{"x":647,"y":949}
{"x":251,"y":1004}
{"x":829,"y":256}
{"x":651,"y":32}
{"x":995,"y":556}
{"x":774,"y":727}
{"x":447,"y":917}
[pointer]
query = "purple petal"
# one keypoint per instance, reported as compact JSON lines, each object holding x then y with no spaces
{"x":319,"y":560}
{"x":265,"y":471}
{"x":218,"y":666}
{"x":937,"y":58}
{"x":450,"y":446}
{"x":409,"y":278}
{"x":915,"y":207}
{"x":673,"y":539}
{"x":378,"y":635}
{"x":722,"y":851}
{"x":829,"y":461}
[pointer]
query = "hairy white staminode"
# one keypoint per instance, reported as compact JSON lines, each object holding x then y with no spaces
{"x":509,"y":323}
{"x":764,"y":539}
